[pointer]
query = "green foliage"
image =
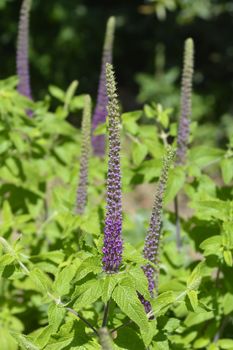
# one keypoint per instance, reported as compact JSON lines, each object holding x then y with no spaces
{"x":54,"y":293}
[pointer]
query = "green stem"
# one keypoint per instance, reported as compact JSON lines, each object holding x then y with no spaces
{"x":105,"y":318}
{"x":121,"y":326}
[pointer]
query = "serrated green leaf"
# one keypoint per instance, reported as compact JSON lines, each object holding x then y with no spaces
{"x":41,"y":281}
{"x":211,"y":245}
{"x":90,"y":265}
{"x":162,"y":302}
{"x":56,"y":315}
{"x":127,"y":300}
{"x":63,"y":280}
{"x":139,"y":281}
{"x":25,"y":342}
{"x":194,"y":279}
{"x":148,"y":336}
{"x":109,"y":283}
{"x":88,"y":293}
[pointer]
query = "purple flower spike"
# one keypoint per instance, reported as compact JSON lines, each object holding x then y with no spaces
{"x":152,"y":241}
{"x":186,"y":103}
{"x":100,"y":113}
{"x":22,"y":61}
{"x":85,"y":155}
{"x":112,"y":248}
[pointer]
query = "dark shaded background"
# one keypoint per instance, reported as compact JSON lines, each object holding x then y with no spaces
{"x":67,"y":37}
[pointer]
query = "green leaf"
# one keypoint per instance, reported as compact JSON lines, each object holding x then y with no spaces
{"x":57,"y":93}
{"x":227,"y":303}
{"x":211,"y":245}
{"x":212,"y":208}
{"x":148,"y":335}
{"x":41,"y":281}
{"x":175,"y":182}
{"x":132,"y":254}
{"x":227,"y":170}
{"x":139,"y":153}
{"x":194,"y":279}
{"x":101,"y":129}
{"x":162,"y":302}
{"x":55,"y":315}
{"x":228,"y":257}
{"x":201,"y":343}
{"x":149,"y":111}
{"x":70,"y":93}
{"x":63,"y":280}
{"x":213,"y":347}
{"x":225,"y":343}
{"x":25,"y":342}
{"x":150,"y":169}
{"x":109,"y":283}
{"x":139,"y":281}
{"x":131,"y":126}
{"x":88,"y":293}
{"x":7,"y":215}
{"x":194,"y":318}
{"x":127,"y":300}
{"x":192,"y":295}
{"x":133,"y":115}
{"x":204,"y":156}
{"x":44,"y":335}
{"x":91,"y":225}
{"x":6,"y":259}
{"x":129,"y":121}
{"x":90,"y":265}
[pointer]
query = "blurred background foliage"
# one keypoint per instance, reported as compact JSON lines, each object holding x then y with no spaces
{"x":66,"y":43}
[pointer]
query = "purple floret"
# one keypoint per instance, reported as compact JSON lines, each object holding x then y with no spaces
{"x":22,"y":60}
{"x":186,"y":104}
{"x":152,"y":241}
{"x":112,"y":249}
{"x":85,"y":155}
{"x":100,"y":112}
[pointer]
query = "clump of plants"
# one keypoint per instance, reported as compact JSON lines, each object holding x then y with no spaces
{"x":77,"y":270}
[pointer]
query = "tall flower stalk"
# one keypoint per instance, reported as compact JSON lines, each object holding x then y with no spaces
{"x":152,"y":241}
{"x":185,"y":114}
{"x":85,"y":155}
{"x":112,"y":249}
{"x":100,"y":113}
{"x":186,"y":102}
{"x":22,"y":60}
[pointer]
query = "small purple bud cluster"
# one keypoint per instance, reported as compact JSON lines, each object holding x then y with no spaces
{"x":186,"y":103}
{"x":85,"y":155}
{"x":112,"y":248}
{"x":100,"y":113}
{"x":22,"y":60}
{"x":152,"y":241}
